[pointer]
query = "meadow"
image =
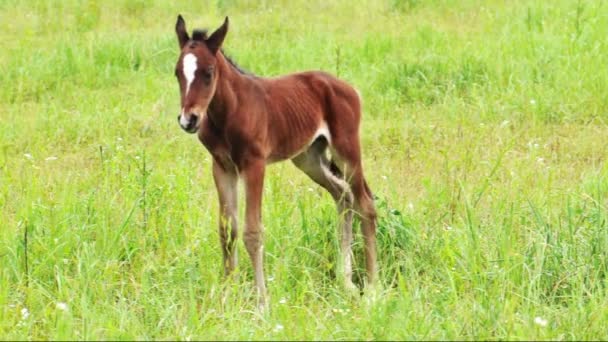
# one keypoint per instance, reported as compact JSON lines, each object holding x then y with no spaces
{"x":484,"y":141}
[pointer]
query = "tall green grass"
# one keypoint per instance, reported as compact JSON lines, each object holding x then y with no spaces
{"x":484,"y":141}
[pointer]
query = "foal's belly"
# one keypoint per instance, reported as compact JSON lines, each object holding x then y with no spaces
{"x":293,"y":143}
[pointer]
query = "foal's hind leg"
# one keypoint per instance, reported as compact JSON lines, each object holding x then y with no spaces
{"x":314,"y":163}
{"x":347,"y":155}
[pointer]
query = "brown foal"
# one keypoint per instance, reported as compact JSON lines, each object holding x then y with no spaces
{"x":247,"y":122}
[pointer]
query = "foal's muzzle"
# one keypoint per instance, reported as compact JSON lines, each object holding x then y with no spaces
{"x":188,"y":123}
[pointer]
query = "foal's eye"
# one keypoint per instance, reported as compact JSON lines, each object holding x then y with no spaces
{"x":207,"y":74}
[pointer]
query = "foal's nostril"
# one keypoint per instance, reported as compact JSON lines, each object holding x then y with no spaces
{"x":178,"y":118}
{"x":192,"y":122}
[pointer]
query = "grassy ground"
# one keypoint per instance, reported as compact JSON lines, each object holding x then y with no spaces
{"x":484,"y":139}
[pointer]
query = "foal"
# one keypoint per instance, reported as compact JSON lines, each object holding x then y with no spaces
{"x":247,"y":122}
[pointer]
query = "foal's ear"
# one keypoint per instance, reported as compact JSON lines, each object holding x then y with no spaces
{"x":215,"y":40}
{"x":180,"y":29}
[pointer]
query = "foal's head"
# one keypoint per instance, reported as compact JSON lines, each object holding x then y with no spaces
{"x":196,"y":72}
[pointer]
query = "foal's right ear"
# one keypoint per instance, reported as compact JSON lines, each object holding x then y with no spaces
{"x":182,"y":34}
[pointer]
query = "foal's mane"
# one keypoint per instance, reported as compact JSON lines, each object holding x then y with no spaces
{"x":200,"y":35}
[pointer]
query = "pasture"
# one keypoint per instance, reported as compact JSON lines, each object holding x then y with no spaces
{"x":484,"y":140}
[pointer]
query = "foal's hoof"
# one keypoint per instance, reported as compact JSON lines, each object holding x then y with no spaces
{"x":263,"y":307}
{"x":350,"y":289}
{"x":372,"y":293}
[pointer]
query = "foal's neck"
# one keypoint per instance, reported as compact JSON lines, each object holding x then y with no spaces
{"x":225,"y":99}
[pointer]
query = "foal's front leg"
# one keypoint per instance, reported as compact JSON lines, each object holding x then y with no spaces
{"x":226,"y":184}
{"x":253,"y":175}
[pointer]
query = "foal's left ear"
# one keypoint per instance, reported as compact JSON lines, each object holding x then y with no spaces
{"x":182,"y":34}
{"x":214,"y":42}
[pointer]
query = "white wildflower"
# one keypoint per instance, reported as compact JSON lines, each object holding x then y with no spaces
{"x":533,"y":102}
{"x":532,"y":144}
{"x":282,"y":301}
{"x":28,"y":156}
{"x":25,"y":313}
{"x":540,"y":321}
{"x":62,"y":306}
{"x":51,"y":158}
{"x":278,"y":328}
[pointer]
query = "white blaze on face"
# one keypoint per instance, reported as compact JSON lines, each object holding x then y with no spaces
{"x":189,"y":63}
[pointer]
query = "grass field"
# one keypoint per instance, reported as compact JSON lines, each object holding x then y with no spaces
{"x":484,"y":139}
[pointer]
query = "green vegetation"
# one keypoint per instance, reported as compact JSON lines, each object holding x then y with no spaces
{"x":484,"y":139}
